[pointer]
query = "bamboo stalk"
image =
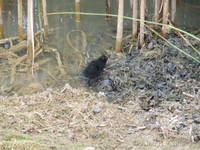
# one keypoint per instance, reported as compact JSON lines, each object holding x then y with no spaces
{"x":44,"y":18}
{"x":1,"y":20}
{"x":108,"y":8}
{"x":119,"y":25}
{"x":165,"y":16}
{"x":20,"y":20}
{"x":142,"y":17}
{"x":77,"y":10}
{"x":156,"y":10}
{"x":173,"y":10}
{"x":135,"y":15}
{"x":30,"y":31}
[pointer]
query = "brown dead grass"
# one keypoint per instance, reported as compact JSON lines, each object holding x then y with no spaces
{"x":64,"y":119}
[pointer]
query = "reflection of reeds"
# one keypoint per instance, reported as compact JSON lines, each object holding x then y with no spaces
{"x":108,"y":8}
{"x":77,"y":49}
{"x":77,"y":10}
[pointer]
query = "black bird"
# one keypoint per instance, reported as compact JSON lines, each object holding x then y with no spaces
{"x":95,"y":68}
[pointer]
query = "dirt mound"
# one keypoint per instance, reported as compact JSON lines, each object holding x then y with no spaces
{"x":160,"y":73}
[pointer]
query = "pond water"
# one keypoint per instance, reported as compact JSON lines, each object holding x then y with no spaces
{"x":76,"y":46}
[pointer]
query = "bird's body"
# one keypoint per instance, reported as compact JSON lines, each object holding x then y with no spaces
{"x":95,"y":68}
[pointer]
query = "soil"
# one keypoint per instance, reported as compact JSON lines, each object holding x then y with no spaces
{"x":145,"y":99}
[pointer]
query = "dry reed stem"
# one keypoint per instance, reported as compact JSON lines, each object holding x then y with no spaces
{"x":119,"y":26}
{"x":173,"y":10}
{"x":142,"y":17}
{"x":156,"y":10}
{"x":20,"y":20}
{"x":165,"y":16}
{"x":135,"y":15}
{"x":10,"y":40}
{"x":1,"y":20}
{"x":30,"y":31}
{"x":58,"y":58}
{"x":16,"y":48}
{"x":45,"y":19}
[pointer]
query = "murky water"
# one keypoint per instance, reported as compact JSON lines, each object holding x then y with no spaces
{"x":75,"y":46}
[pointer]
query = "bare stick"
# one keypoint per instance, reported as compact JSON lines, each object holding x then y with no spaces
{"x":165,"y":16}
{"x":173,"y":10}
{"x":18,"y":47}
{"x":20,"y":20}
{"x":44,"y":18}
{"x":1,"y":20}
{"x":156,"y":10}
{"x":30,"y":31}
{"x":142,"y":17}
{"x":119,"y":26}
{"x":135,"y":15}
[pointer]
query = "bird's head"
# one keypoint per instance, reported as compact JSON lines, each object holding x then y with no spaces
{"x":104,"y":58}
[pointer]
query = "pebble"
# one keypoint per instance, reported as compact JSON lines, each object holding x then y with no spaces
{"x":96,"y":110}
{"x":196,"y":118}
{"x":121,"y":108}
{"x":150,"y":45}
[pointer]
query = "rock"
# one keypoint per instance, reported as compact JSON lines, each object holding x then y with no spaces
{"x":96,"y":110}
{"x":150,"y":46}
{"x":121,"y":108}
{"x":6,"y":45}
{"x":196,"y":133}
{"x":105,"y":85}
{"x":196,"y":118}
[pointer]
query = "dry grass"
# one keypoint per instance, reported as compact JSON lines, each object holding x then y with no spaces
{"x":66,"y":119}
